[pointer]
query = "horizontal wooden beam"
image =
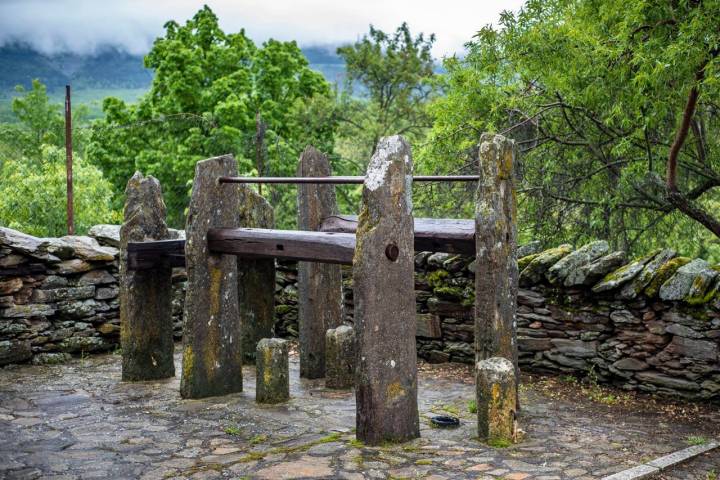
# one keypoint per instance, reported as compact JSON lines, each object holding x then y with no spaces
{"x":325,"y":247}
{"x":146,"y":255}
{"x":335,"y":243}
{"x":431,"y":234}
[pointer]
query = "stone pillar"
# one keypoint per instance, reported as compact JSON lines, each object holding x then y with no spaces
{"x":273,"y":378}
{"x":496,"y":393}
{"x":383,"y":276}
{"x":340,"y":357}
{"x":319,"y":284}
{"x":256,"y":277}
{"x":496,"y":274}
{"x":212,"y":335}
{"x":146,"y":324}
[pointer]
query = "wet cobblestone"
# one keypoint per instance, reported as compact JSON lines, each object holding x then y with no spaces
{"x":77,"y":420}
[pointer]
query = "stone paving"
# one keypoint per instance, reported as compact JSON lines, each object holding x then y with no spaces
{"x":78,"y":420}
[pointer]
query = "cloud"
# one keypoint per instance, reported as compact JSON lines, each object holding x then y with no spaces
{"x":84,"y":26}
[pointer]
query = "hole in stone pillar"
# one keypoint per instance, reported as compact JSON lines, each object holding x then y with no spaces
{"x":279,"y":247}
{"x":392,"y":251}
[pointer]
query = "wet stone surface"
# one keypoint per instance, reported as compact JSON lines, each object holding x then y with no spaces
{"x":78,"y":420}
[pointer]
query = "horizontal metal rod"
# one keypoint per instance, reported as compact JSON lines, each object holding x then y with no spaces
{"x":344,"y":180}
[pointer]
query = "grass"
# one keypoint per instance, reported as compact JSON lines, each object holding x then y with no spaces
{"x":257,"y":439}
{"x":233,"y":430}
{"x":696,"y":440}
{"x":423,"y":461}
{"x":472,"y":406}
{"x":712,"y":475}
{"x":499,"y":443}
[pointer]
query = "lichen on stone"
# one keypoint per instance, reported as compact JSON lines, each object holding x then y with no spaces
{"x":663,"y":273}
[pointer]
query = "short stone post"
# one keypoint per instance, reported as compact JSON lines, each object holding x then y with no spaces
{"x":146,"y":324}
{"x":273,"y":379}
{"x":212,"y":334}
{"x":340,"y":357}
{"x":496,"y":274}
{"x":496,"y":394}
{"x":256,"y":277}
{"x":385,"y":324}
{"x":319,"y":284}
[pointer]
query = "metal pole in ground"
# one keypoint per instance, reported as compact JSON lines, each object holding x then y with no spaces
{"x":69,"y":162}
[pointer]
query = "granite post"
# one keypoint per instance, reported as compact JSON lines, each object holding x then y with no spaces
{"x":256,"y":277}
{"x":319,"y":284}
{"x":146,"y":324}
{"x":212,"y":333}
{"x":385,"y":324}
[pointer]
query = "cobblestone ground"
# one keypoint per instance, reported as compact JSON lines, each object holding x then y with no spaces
{"x":78,"y":420}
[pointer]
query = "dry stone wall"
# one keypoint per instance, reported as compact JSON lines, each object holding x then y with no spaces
{"x":650,"y":324}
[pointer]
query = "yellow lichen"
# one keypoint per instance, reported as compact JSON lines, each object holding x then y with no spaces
{"x":395,"y":391}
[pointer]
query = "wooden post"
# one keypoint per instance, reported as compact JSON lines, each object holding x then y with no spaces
{"x":212,"y":334}
{"x":496,"y":275}
{"x":256,"y":277}
{"x":146,"y":325}
{"x":384,"y":295}
{"x":319,"y":285}
{"x":69,"y":163}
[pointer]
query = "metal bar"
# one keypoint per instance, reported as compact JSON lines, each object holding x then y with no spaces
{"x":69,"y":163}
{"x":343,"y":180}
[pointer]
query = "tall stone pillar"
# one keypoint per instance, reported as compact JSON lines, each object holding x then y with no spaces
{"x":383,"y":276}
{"x":146,"y":325}
{"x":319,"y":284}
{"x":496,"y":274}
{"x":212,"y":334}
{"x":256,"y":277}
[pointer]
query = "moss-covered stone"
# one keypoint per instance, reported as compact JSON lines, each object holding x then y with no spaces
{"x":539,"y":265}
{"x":525,"y":261}
{"x":496,"y":397}
{"x":272,"y":379}
{"x":633,"y":288}
{"x":664,"y":272}
{"x":690,"y":282}
{"x":623,"y":274}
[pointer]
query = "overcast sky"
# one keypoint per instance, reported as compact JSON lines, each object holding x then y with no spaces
{"x":84,"y":25}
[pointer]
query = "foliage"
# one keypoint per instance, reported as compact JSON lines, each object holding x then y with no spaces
{"x":32,"y":194}
{"x":38,"y":122}
{"x":208,"y":88}
{"x":593,"y":92}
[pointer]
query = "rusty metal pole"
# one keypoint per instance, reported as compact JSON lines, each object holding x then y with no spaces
{"x":259,"y":141}
{"x":69,"y":162}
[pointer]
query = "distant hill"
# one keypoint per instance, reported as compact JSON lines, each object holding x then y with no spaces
{"x":111,"y":68}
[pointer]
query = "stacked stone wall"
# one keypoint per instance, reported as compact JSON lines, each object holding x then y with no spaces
{"x":651,"y":324}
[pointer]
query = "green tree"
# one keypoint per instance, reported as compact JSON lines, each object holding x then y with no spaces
{"x":208,"y":91}
{"x":32,"y":194}
{"x":615,"y":106}
{"x":39,"y":122}
{"x":391,"y":76}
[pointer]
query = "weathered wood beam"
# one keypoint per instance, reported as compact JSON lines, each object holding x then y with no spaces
{"x":324,"y":247}
{"x":151,"y":254}
{"x":431,"y":234}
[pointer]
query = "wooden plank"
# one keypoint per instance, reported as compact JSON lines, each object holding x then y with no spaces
{"x":431,"y":234}
{"x":146,"y":255}
{"x":324,"y":247}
